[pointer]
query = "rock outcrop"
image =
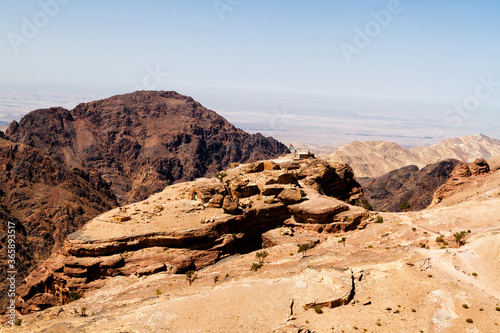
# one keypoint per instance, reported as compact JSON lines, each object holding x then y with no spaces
{"x":46,"y":201}
{"x":141,"y":142}
{"x":410,"y":184}
{"x":192,"y":225}
{"x":461,"y":176}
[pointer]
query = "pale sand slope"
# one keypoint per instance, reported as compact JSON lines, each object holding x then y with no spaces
{"x":408,"y":288}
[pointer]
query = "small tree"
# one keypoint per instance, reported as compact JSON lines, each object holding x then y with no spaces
{"x":303,"y":249}
{"x":261,"y":256}
{"x":190,"y":276}
{"x":255,"y":266}
{"x":342,"y":240}
{"x":220,"y":176}
{"x":459,"y":237}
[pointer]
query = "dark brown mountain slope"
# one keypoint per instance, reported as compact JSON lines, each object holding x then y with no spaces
{"x":143,"y":141}
{"x":46,"y":200}
{"x":409,"y":184}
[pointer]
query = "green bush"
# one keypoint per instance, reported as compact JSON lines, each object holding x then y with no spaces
{"x":255,"y":266}
{"x":318,"y":310}
{"x":380,"y":219}
{"x":73,"y":295}
{"x":405,"y":206}
{"x":440,"y":239}
{"x":303,"y":248}
{"x":18,"y":322}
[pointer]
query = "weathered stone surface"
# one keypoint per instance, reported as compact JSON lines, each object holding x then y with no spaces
{"x":230,"y":205}
{"x":461,"y":170}
{"x":479,"y":166}
{"x":283,"y":178}
{"x":112,"y":261}
{"x":242,"y":188}
{"x":41,"y":301}
{"x":317,"y":210}
{"x":333,"y":179}
{"x":216,"y":201}
{"x":290,"y":196}
{"x":270,"y":165}
{"x":151,"y":269}
{"x":273,"y":189}
{"x":253,"y":167}
{"x":75,"y":272}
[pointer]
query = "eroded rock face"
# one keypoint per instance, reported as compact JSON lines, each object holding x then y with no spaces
{"x":461,"y":170}
{"x":190,"y":226}
{"x":461,"y":175}
{"x":479,"y":166}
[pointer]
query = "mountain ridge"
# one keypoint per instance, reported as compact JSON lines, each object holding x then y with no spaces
{"x":142,"y":141}
{"x":376,"y":158}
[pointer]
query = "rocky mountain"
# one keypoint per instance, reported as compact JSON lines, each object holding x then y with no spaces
{"x":407,"y":185}
{"x":143,"y":141}
{"x":192,"y":225}
{"x":434,"y":270}
{"x":376,"y":158}
{"x":46,"y":201}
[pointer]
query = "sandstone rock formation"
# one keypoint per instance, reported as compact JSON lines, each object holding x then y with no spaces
{"x":409,"y":184}
{"x":462,"y":176}
{"x":192,"y":225}
{"x":141,"y":142}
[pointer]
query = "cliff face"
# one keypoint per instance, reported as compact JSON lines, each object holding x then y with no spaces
{"x":409,"y":184}
{"x":191,"y":225}
{"x":141,"y":142}
{"x":46,"y":200}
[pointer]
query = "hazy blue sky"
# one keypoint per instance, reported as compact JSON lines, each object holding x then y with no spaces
{"x":275,"y":66}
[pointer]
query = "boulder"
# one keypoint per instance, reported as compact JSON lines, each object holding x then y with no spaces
{"x":479,"y":166}
{"x":317,"y":210}
{"x":253,"y":167}
{"x":460,"y":171}
{"x":230,"y":205}
{"x":270,"y":165}
{"x":242,"y":188}
{"x":216,"y":201}
{"x":290,"y":196}
{"x":283,"y":178}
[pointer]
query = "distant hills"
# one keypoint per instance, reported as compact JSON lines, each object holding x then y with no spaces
{"x":376,"y":158}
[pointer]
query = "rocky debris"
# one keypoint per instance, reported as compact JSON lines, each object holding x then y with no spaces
{"x":409,"y":184}
{"x":290,"y":196}
{"x":479,"y":166}
{"x":143,"y":141}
